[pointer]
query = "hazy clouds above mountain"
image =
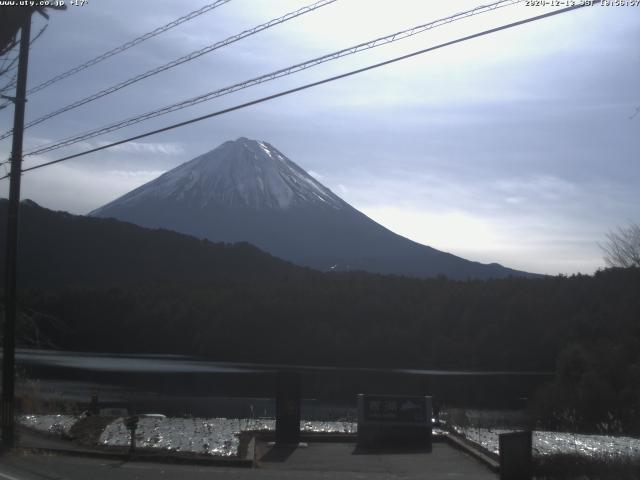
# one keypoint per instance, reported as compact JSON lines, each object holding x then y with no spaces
{"x":517,"y":148}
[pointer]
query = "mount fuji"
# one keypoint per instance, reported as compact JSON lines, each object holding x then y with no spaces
{"x":247,"y":190}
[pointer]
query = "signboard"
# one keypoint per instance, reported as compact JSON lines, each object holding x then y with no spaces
{"x":395,"y":409}
{"x":394,"y":421}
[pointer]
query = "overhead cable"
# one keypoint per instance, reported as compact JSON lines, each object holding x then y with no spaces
{"x":174,"y":63}
{"x":271,"y":76}
{"x":123,"y":47}
{"x":311,"y":85}
{"x":128,"y":45}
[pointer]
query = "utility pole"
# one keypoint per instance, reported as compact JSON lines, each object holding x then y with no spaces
{"x":9,"y":341}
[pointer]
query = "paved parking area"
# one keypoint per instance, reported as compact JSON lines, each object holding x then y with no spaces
{"x":344,"y":461}
{"x":319,"y":460}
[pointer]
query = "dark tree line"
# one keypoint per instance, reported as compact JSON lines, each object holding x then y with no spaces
{"x":102,"y":285}
{"x":354,"y":319}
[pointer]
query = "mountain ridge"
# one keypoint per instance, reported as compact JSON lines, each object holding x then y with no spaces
{"x":57,"y":249}
{"x":248,"y":190}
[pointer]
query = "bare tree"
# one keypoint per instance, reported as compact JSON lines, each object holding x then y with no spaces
{"x":622,"y":248}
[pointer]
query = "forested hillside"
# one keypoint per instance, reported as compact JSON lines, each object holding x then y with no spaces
{"x":102,"y":285}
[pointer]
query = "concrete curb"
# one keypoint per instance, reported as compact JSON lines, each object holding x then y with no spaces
{"x":313,"y":437}
{"x":251,"y":451}
{"x":247,"y":462}
{"x":250,"y":460}
{"x":472,"y":450}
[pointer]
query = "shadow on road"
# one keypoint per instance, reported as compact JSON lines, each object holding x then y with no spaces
{"x":278,"y":454}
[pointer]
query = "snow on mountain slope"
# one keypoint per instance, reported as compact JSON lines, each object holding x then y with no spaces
{"x":244,"y":173}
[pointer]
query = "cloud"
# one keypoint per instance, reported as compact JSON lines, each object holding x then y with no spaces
{"x":448,"y":231}
{"x":135,"y":174}
{"x":155,"y":148}
{"x":546,"y":248}
{"x":538,"y":223}
{"x":129,"y":147}
{"x":78,"y":190}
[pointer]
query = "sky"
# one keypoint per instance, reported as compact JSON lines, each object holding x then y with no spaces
{"x":520,"y":147}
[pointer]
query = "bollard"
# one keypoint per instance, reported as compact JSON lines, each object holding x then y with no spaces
{"x":516,"y":455}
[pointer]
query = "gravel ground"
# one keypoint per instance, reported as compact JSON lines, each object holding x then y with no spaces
{"x":221,"y":436}
{"x":211,"y":436}
{"x":552,"y":443}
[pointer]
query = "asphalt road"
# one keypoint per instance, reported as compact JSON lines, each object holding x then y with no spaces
{"x":319,"y":461}
{"x":41,"y":467}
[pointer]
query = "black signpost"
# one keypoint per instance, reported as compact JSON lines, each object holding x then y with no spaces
{"x":132,"y":423}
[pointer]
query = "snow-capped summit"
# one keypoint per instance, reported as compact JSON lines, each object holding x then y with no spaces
{"x":247,"y":190}
{"x":241,"y":173}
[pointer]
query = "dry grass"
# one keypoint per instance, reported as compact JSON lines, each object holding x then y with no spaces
{"x":31,"y":399}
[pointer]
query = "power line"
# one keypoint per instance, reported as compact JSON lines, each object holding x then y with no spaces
{"x":272,"y":76}
{"x":8,"y":64}
{"x":9,"y":84}
{"x":124,"y":46}
{"x":187,"y":58}
{"x":128,"y":45}
{"x":313,"y":84}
